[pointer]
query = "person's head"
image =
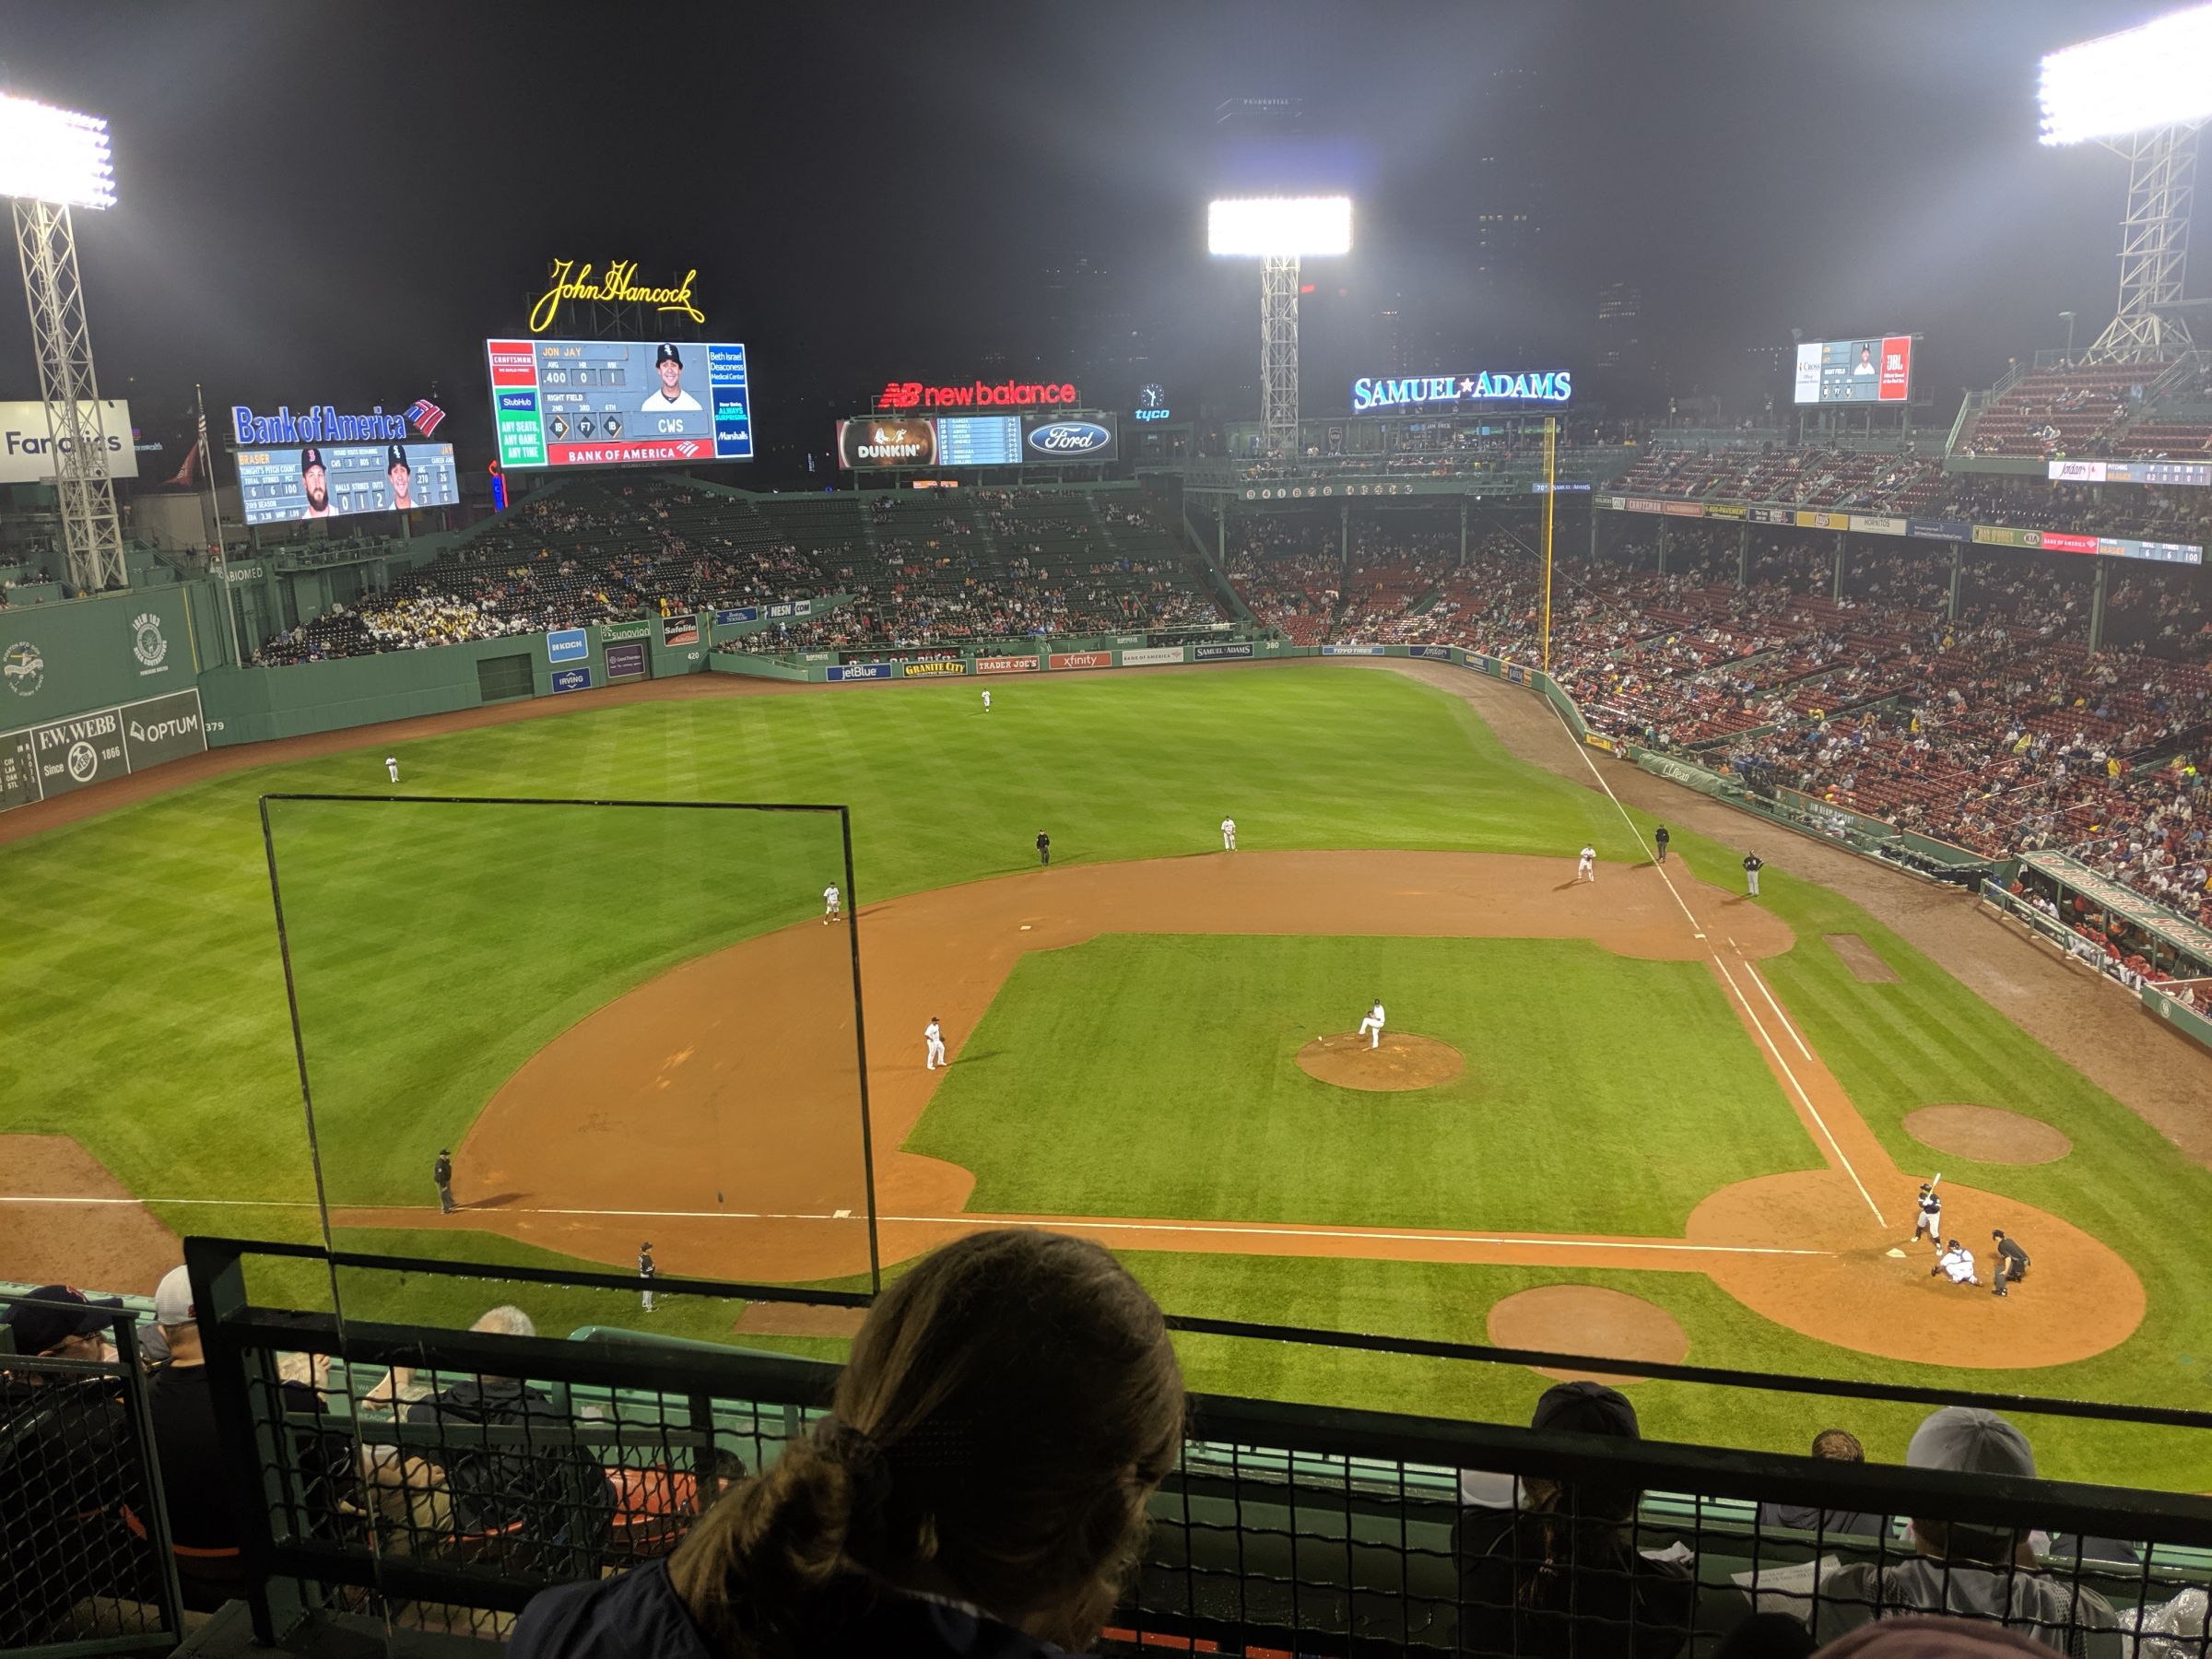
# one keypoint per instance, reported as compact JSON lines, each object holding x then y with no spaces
{"x":397,"y":470}
{"x":1996,"y":1235}
{"x":445,"y":1152}
{"x":506,"y":1320}
{"x":1009,"y":1405}
{"x":61,"y":1322}
{"x":1584,"y":1408}
{"x":1966,"y":1441}
{"x":314,"y":478}
{"x":177,"y":1318}
{"x":1839,"y":1445}
{"x":1952,"y":1244}
{"x":669,"y":362}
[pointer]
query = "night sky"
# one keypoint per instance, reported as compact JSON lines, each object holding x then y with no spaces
{"x":339,"y":204}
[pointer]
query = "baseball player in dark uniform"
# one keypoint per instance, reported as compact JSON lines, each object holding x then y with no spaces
{"x":2012,"y":1261}
{"x":645,"y":1271}
{"x":1931,"y":1217}
{"x":1659,"y":840}
{"x":1753,"y":865}
{"x":442,"y":1173}
{"x":1045,"y":848}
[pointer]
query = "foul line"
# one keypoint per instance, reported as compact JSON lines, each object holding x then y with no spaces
{"x":1750,"y":1011}
{"x":1056,"y":1223}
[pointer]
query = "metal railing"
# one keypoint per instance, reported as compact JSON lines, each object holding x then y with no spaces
{"x":1286,"y":1527}
{"x":86,"y":1562}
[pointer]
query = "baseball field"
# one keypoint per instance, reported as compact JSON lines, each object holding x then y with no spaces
{"x":1643,"y":1116}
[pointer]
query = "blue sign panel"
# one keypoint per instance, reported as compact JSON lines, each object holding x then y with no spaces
{"x":1443,"y":651}
{"x":573,"y":680}
{"x":568,"y":645}
{"x":1208,"y":653}
{"x":730,"y":618}
{"x":859,"y":671}
{"x":1351,"y":651}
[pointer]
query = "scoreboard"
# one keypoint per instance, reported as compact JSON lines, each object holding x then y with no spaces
{"x":598,"y":403}
{"x":334,"y":480}
{"x":979,"y":440}
{"x":1876,"y":370}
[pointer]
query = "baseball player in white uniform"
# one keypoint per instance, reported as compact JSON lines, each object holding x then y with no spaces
{"x":830,"y":901}
{"x":934,"y":1034}
{"x":392,"y":767}
{"x":1228,"y":835}
{"x":1930,"y":1220}
{"x":986,"y":702}
{"x":1585,"y":867}
{"x":1372,"y":1026}
{"x":1957,"y":1263}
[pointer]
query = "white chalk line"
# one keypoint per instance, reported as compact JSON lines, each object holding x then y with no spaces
{"x":1055,"y":1223}
{"x":1773,"y":1047}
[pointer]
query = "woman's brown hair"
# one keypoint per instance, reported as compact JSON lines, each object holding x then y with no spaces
{"x":1009,"y":1405}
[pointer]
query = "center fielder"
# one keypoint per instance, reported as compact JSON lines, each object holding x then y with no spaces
{"x":1372,"y":1026}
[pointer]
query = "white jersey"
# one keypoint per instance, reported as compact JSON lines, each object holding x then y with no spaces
{"x":829,"y":896}
{"x":1375,"y":1013}
{"x":932,"y":1033}
{"x":1587,"y":855}
{"x":1228,"y":826}
{"x":1958,"y":1264}
{"x":986,"y":700}
{"x":655,"y":402}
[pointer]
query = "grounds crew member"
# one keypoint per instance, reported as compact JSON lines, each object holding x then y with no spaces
{"x":442,"y":1173}
{"x":1659,"y":840}
{"x":1753,"y":865}
{"x":2012,"y":1261}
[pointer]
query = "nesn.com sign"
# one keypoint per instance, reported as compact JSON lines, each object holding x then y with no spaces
{"x":1554,"y":387}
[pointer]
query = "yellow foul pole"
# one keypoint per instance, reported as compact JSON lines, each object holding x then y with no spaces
{"x":1551,"y":480}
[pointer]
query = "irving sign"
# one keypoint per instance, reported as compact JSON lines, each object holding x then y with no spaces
{"x":618,"y":287}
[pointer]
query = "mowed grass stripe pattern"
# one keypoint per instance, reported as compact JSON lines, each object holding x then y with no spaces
{"x":1156,"y":1076}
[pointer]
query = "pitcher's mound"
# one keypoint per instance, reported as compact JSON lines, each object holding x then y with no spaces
{"x":1403,"y":1060}
{"x":1987,"y":1134}
{"x":1583,"y":1319}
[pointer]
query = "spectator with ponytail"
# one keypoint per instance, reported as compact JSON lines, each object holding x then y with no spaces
{"x":978,"y":1488}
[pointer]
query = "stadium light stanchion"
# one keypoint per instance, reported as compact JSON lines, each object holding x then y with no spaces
{"x":215,"y":519}
{"x":53,"y":160}
{"x":1278,"y":231}
{"x":2143,"y":93}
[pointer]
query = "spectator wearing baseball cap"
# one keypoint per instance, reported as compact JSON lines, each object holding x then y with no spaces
{"x":1563,"y":1573}
{"x":1968,"y":1570}
{"x":68,"y":1470}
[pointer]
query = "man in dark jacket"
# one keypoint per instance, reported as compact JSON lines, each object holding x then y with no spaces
{"x":1836,"y":1447}
{"x":1659,"y":840}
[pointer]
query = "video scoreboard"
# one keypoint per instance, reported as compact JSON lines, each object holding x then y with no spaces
{"x":599,"y":403}
{"x":1876,"y":370}
{"x":2194,"y":474}
{"x":979,"y":440}
{"x":337,"y":480}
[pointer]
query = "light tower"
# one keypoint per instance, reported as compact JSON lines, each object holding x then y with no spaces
{"x":1278,"y":231}
{"x":51,"y":160}
{"x":2143,"y":94}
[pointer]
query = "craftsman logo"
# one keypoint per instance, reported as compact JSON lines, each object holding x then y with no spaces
{"x":1070,"y":438}
{"x":146,"y":643}
{"x":23,"y":668}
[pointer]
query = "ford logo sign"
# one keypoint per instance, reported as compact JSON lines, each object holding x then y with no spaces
{"x":1070,"y":438}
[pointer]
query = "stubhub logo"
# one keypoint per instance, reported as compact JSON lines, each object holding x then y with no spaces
{"x":518,"y":400}
{"x":1069,"y":438}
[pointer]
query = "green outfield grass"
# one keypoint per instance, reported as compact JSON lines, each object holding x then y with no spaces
{"x":144,"y":1010}
{"x":1145,"y":1075}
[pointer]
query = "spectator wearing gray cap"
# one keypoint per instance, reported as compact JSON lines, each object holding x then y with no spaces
{"x":1562,"y":1574}
{"x":1969,"y":1571}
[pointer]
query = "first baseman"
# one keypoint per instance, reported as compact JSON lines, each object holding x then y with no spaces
{"x":1372,"y":1026}
{"x":934,"y":1034}
{"x":830,"y":901}
{"x":1228,"y":835}
{"x":392,"y":767}
{"x":1585,"y":864}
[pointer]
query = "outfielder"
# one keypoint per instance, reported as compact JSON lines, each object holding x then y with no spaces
{"x":392,"y":767}
{"x":986,"y":702}
{"x":830,"y":901}
{"x":934,"y":1034}
{"x":1372,"y":1026}
{"x":1228,"y":835}
{"x":1930,"y":1215}
{"x":1585,"y":864}
{"x":1956,"y":1262}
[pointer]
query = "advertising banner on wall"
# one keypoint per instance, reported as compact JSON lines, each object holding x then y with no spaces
{"x":25,"y":450}
{"x":858,"y":671}
{"x":61,"y":755}
{"x":626,"y":661}
{"x":1082,"y":659}
{"x":1005,"y":665}
{"x":1875,"y":523}
{"x":1216,"y":654}
{"x":680,"y":630}
{"x":886,"y":440}
{"x":1070,"y":439}
{"x":1940,"y":529}
{"x":930,"y":670}
{"x":1151,"y":656}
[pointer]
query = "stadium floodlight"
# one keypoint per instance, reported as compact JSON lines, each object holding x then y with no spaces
{"x":50,"y":155}
{"x":1278,"y":231}
{"x":2142,"y":93}
{"x":52,"y":162}
{"x":1280,"y":226}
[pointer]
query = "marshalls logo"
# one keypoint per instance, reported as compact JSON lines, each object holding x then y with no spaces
{"x":146,"y":643}
{"x":22,"y":667}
